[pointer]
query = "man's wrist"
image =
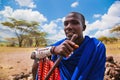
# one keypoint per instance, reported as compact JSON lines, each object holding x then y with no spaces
{"x":53,"y":49}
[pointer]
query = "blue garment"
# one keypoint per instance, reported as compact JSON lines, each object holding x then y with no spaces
{"x":86,"y":63}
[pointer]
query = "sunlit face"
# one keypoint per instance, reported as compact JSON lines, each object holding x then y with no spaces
{"x":73,"y":25}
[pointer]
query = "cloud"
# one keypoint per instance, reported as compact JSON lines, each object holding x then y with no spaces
{"x":60,"y":35}
{"x":75,"y":4}
{"x":103,"y":33}
{"x":29,"y":14}
{"x":6,"y":13}
{"x":50,"y":28}
{"x":96,"y":15}
{"x":26,"y":3}
{"x":107,"y":21}
{"x":115,"y":9}
{"x":6,"y":33}
{"x":54,"y":29}
{"x":25,"y":14}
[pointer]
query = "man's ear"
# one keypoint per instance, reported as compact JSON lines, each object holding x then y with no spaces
{"x":84,"y":27}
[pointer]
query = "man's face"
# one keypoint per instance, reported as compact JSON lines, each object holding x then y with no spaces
{"x":73,"y":25}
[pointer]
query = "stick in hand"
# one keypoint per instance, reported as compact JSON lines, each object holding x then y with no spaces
{"x":60,"y":58}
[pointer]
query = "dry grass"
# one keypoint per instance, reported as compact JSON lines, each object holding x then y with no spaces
{"x":15,"y":50}
{"x":15,"y":60}
{"x":113,"y":48}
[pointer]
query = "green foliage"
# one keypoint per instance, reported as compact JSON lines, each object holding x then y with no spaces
{"x":103,"y":39}
{"x":24,"y":30}
{"x":11,"y":25}
{"x":2,"y":44}
{"x":116,"y":31}
{"x":12,"y":42}
{"x":108,"y":39}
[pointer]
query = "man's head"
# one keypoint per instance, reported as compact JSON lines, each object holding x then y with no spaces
{"x":74,"y":24}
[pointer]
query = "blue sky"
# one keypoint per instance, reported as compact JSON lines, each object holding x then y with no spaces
{"x":101,"y":15}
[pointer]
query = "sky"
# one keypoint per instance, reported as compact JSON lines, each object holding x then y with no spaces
{"x":100,"y":15}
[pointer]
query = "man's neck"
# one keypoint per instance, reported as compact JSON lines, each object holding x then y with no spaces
{"x":79,"y":40}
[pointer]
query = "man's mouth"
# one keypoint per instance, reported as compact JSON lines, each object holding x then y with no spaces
{"x":69,"y":35}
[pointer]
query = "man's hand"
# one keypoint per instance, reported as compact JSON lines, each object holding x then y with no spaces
{"x":66,"y":48}
{"x":33,"y":55}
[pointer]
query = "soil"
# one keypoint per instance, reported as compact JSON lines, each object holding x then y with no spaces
{"x":17,"y":62}
{"x":14,"y":63}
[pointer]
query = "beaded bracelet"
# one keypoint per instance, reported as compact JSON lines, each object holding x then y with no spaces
{"x":52,"y":49}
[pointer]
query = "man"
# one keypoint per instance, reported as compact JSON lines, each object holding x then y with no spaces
{"x":87,"y":62}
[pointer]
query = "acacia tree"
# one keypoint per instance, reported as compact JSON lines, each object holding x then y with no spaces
{"x":103,"y":39}
{"x":39,"y":38}
{"x":21,"y":28}
{"x":12,"y":41}
{"x":108,"y":39}
{"x":27,"y":42}
{"x":116,"y":30}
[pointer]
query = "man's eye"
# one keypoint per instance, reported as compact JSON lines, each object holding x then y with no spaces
{"x":65,"y":23}
{"x":74,"y":22}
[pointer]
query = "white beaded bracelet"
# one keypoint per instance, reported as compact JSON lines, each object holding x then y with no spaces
{"x":43,"y":52}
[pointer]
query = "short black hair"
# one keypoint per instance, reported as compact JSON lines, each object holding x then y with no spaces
{"x":81,"y":15}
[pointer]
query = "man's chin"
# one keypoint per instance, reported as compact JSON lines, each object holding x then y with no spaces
{"x":69,"y":37}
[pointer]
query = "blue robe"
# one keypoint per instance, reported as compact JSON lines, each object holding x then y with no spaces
{"x":86,"y":63}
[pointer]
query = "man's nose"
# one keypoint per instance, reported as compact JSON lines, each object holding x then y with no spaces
{"x":69,"y":26}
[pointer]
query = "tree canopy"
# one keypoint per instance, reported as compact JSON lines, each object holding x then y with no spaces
{"x":24,"y":30}
{"x":116,"y":30}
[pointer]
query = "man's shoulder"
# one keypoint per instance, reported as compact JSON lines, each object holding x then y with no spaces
{"x":96,"y":41}
{"x":97,"y":44}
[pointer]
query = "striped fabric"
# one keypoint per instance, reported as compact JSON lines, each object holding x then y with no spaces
{"x":44,"y":66}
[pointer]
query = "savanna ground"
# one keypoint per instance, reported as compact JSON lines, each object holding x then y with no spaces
{"x":17,"y":60}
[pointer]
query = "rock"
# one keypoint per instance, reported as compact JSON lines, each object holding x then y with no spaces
{"x":10,"y":67}
{"x":112,"y":71}
{"x":21,"y":76}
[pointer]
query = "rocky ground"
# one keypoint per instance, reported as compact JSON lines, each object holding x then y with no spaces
{"x":112,"y":71}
